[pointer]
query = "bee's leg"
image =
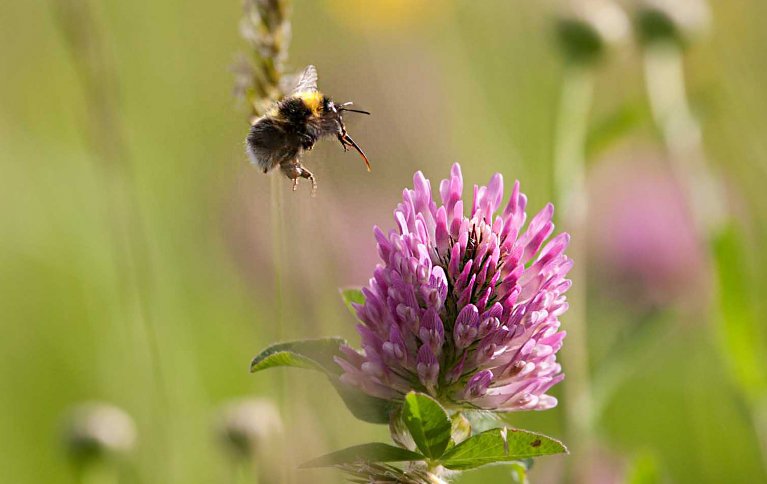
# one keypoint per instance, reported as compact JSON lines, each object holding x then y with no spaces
{"x":308,"y":175}
{"x":294,"y":170}
{"x":304,"y":173}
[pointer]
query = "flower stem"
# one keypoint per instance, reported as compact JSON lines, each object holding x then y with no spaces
{"x":277,"y":222}
{"x":570,"y":192}
{"x":278,"y":253}
{"x":245,"y":471}
{"x":665,"y":83}
{"x":569,"y":156}
{"x":266,"y":28}
{"x":98,"y":472}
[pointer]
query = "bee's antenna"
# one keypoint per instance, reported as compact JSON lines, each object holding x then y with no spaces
{"x":342,"y":107}
{"x":354,"y":111}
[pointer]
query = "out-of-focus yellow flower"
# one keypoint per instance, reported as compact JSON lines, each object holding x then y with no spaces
{"x":386,"y":14}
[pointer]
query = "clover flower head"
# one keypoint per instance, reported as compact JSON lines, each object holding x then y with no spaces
{"x":653,"y":257}
{"x":464,"y":308}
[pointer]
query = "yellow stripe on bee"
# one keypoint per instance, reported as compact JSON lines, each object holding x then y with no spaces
{"x":312,"y":99}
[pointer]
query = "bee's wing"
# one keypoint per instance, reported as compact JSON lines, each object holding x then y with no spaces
{"x":307,"y":81}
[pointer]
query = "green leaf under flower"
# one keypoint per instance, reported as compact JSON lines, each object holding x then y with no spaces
{"x":363,"y":406}
{"x":318,"y":354}
{"x":352,"y":296}
{"x":428,"y":423}
{"x":314,"y":354}
{"x":500,"y":445}
{"x":372,"y":452}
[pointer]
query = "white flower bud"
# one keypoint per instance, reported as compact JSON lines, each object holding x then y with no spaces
{"x":588,"y":29}
{"x":672,"y":20}
{"x":249,"y":426}
{"x":98,"y":430}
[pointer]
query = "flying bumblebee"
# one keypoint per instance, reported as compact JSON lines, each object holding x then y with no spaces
{"x":294,"y":125}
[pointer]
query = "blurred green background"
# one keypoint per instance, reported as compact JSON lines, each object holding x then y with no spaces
{"x":143,"y":274}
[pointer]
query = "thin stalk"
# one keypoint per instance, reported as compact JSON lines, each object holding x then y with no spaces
{"x":571,"y":198}
{"x":266,"y":29}
{"x":244,"y":471}
{"x":277,"y":222}
{"x":97,"y":473}
{"x":569,"y":155}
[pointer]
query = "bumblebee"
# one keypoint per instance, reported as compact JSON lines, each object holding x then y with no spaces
{"x":294,"y":125}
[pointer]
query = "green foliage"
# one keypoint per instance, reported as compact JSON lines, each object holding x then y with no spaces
{"x":352,"y":296}
{"x":315,"y":354}
{"x":319,"y":354}
{"x":428,"y":423}
{"x":739,"y":326}
{"x":363,"y":406}
{"x":643,"y":470}
{"x":372,"y":452}
{"x":500,"y":445}
{"x":423,"y":423}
